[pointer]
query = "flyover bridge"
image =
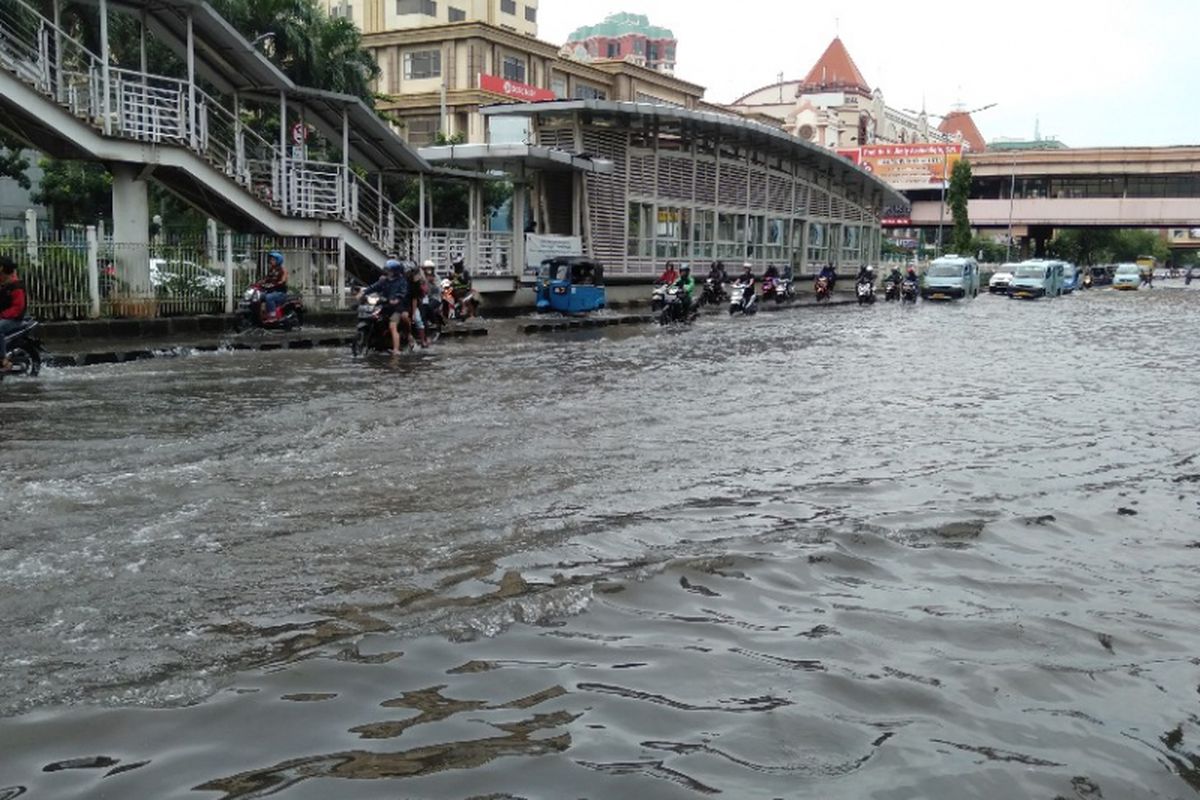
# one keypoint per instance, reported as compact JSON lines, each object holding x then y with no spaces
{"x":192,"y":133}
{"x":1037,"y":191}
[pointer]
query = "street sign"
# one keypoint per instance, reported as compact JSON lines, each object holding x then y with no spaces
{"x":299,"y":133}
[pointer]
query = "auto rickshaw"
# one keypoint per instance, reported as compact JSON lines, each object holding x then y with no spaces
{"x":570,"y":285}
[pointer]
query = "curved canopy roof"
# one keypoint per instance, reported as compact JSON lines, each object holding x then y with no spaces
{"x":733,"y":127}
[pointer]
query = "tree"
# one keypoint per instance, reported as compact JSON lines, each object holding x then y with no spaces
{"x":959,"y":195}
{"x":13,"y":161}
{"x":1102,"y":245}
{"x":75,"y":192}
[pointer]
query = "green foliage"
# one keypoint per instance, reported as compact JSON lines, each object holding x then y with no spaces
{"x":988,"y":250}
{"x":308,"y":45}
{"x":450,"y":200}
{"x":1104,"y":246}
{"x":958,"y":196}
{"x":76,"y":192}
{"x":13,"y":161}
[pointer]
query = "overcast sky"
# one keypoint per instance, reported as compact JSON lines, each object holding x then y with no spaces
{"x":1098,"y":73}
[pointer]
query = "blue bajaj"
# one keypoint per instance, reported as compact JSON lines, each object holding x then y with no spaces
{"x":570,"y":285}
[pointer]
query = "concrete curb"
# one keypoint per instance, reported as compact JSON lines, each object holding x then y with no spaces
{"x":179,"y":351}
{"x":643,"y":319}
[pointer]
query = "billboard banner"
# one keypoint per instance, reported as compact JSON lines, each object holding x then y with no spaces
{"x":907,"y":166}
{"x":514,"y":89}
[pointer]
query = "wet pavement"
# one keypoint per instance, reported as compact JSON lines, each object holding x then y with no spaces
{"x":927,"y":552}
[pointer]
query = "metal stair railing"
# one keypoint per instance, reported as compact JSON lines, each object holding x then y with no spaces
{"x":155,"y":109}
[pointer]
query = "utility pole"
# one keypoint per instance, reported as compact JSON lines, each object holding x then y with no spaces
{"x":1012,"y":198}
{"x":937,"y":250}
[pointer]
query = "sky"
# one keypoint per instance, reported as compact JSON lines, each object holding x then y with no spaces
{"x":1098,"y":74}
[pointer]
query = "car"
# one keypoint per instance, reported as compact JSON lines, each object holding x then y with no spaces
{"x":181,"y":276}
{"x":1128,"y":277}
{"x":1072,"y":277}
{"x":1098,"y":276}
{"x":1035,"y":279}
{"x":1001,"y":279}
{"x":951,"y":277}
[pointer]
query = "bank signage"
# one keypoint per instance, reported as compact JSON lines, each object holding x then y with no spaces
{"x":514,"y":89}
{"x":907,"y":166}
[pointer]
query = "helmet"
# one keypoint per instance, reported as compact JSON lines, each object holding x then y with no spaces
{"x":686,"y":268}
{"x":747,"y":265}
{"x":428,"y":264}
{"x":445,"y":283}
{"x":276,"y":255}
{"x":457,"y":260}
{"x":393,"y":265}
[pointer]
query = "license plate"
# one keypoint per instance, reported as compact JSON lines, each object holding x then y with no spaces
{"x":941,"y":297}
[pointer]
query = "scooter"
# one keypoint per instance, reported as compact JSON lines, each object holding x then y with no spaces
{"x":821,"y":287}
{"x":658,"y":297}
{"x":742,"y":299}
{"x":891,"y":291}
{"x":373,"y":332}
{"x":288,"y":315}
{"x":866,"y":293}
{"x":24,"y":351}
{"x":908,"y":291}
{"x":713,"y":293}
{"x":673,"y":310}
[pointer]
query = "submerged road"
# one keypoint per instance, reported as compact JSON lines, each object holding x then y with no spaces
{"x":931,"y":552}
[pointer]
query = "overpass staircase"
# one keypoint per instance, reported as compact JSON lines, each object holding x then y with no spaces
{"x":61,"y":98}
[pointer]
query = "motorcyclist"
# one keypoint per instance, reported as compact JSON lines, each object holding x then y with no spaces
{"x":747,"y":280}
{"x":396,"y":293}
{"x":911,"y":275}
{"x":688,"y":284}
{"x":866,"y":273}
{"x":274,"y":286}
{"x":12,"y":306}
{"x":716,"y":274}
{"x":829,"y":274}
{"x":460,"y":282}
{"x":895,"y":276}
{"x":669,"y":276}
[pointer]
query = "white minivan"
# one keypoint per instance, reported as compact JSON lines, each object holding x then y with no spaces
{"x":951,"y":278}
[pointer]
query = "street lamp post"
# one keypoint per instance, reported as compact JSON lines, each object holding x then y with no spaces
{"x":937,"y":250}
{"x":1012,"y":198}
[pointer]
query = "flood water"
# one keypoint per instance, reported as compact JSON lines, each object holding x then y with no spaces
{"x":932,"y":552}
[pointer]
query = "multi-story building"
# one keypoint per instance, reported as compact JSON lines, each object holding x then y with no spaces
{"x":835,"y":107}
{"x":436,"y":78}
{"x":630,"y":37}
{"x":374,"y":16}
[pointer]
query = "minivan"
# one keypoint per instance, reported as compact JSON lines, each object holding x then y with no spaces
{"x":951,"y":278}
{"x":1037,"y":279}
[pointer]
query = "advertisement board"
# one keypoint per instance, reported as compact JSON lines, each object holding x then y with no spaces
{"x":539,"y":247}
{"x":907,"y":166}
{"x":514,"y":89}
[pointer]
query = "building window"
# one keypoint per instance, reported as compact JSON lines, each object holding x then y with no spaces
{"x":652,"y":52}
{"x":818,"y":245}
{"x":731,"y":236}
{"x":639,"y":47}
{"x":614,"y":49}
{"x":558,"y":85}
{"x":530,"y":14}
{"x":667,"y":233}
{"x":509,"y":6}
{"x":342,"y":10}
{"x":851,"y":244}
{"x":422,"y":131}
{"x":513,"y":69}
{"x":702,"y":235}
{"x":456,"y":14}
{"x":426,"y":7}
{"x":640,"y":231}
{"x":585,"y":92}
{"x":422,"y":64}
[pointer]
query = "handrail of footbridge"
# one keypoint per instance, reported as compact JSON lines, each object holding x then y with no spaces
{"x":159,"y":109}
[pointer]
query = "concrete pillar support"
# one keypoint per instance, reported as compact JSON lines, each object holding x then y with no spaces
{"x":131,"y":228}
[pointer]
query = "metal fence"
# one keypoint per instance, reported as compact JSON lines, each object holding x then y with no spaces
{"x":77,"y":274}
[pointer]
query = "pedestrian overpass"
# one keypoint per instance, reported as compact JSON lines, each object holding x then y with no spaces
{"x":193,"y":134}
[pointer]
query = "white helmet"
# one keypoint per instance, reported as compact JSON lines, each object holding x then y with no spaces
{"x":428,"y":264}
{"x":445,"y":283}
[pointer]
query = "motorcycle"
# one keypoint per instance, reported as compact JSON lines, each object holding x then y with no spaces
{"x":821,"y":287}
{"x":778,"y":289}
{"x":673,"y":311}
{"x":288,"y":316}
{"x":713,"y":293}
{"x":908,"y":291}
{"x":1087,"y":281}
{"x":891,"y":291}
{"x":372,"y":333}
{"x":742,"y":300}
{"x":24,"y":351}
{"x":866,"y":292}
{"x":658,"y":297}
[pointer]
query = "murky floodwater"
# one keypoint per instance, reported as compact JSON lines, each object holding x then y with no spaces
{"x":932,"y":552}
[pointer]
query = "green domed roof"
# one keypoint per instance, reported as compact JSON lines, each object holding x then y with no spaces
{"x":620,"y":24}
